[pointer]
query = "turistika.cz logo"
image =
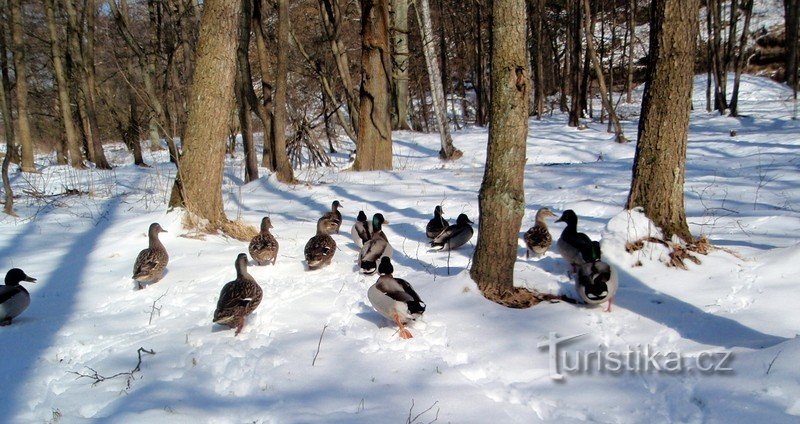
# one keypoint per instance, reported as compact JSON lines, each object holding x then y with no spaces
{"x":636,"y":359}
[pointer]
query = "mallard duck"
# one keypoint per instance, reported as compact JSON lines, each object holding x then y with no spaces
{"x":334,"y":215}
{"x":14,"y":298}
{"x":151,"y":262}
{"x":437,"y":224}
{"x":264,"y":246}
{"x":395,"y":299}
{"x":375,"y":248}
{"x":597,"y":282}
{"x":238,"y":298}
{"x":577,"y":248}
{"x":362,"y":230}
{"x":320,"y":249}
{"x":538,"y":238}
{"x":454,"y":236}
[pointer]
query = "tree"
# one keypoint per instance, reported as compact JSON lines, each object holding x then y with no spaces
{"x":244,"y":88}
{"x":400,"y":64}
{"x":8,"y":207}
{"x":502,"y":198}
{"x":21,"y":73}
{"x":791,"y":10}
{"x":283,"y":167}
{"x":198,"y":185}
{"x":374,"y":120}
{"x":660,"y":162}
{"x":739,"y":61}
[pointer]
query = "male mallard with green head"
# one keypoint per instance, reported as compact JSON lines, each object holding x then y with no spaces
{"x":395,"y":299}
{"x":14,"y":298}
{"x":454,"y":236}
{"x":378,"y":246}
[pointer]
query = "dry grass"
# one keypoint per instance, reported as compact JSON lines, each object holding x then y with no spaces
{"x":679,"y":252}
{"x":519,"y":298}
{"x":198,"y":227}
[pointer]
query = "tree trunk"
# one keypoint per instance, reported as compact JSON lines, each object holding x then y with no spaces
{"x":660,"y":163}
{"x":91,"y":84}
{"x":536,"y":15}
{"x":400,"y":64}
{"x":598,"y":69}
{"x":8,"y":116}
{"x":331,"y":13}
{"x":283,"y":167}
{"x":739,"y":61}
{"x":198,"y":186}
{"x":243,"y":82}
{"x":791,"y":10}
{"x":574,"y":54}
{"x":21,"y":75}
{"x":502,"y":198}
{"x":8,"y":124}
{"x":631,"y":34}
{"x":266,"y":87}
{"x":374,"y":124}
{"x":423,"y":12}
{"x":72,"y":148}
{"x":480,"y":68}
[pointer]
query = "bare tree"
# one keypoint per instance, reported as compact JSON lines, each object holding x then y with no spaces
{"x":739,"y":61}
{"x":21,"y":74}
{"x":660,"y":164}
{"x":283,"y":167}
{"x":400,"y":64}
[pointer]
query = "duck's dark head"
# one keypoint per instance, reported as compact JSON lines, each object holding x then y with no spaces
{"x":569,"y":218}
{"x":15,"y":275}
{"x":266,"y":224}
{"x":362,"y":217}
{"x":154,"y":229}
{"x":463,"y":220}
{"x":438,"y":211}
{"x":241,"y":264}
{"x":377,"y":221}
{"x":385,"y":268}
{"x":336,"y":205}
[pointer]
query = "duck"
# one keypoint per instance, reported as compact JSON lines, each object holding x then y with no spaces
{"x":264,"y":247}
{"x":395,"y":299}
{"x":538,"y":238}
{"x":14,"y":298}
{"x":437,"y":224}
{"x":454,"y":236}
{"x":334,"y":215}
{"x":577,"y":248}
{"x":320,"y":249}
{"x":375,"y":248}
{"x":238,"y":298}
{"x":597,"y":282}
{"x":362,"y":230}
{"x":151,"y":262}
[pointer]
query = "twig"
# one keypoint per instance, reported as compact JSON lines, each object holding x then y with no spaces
{"x":155,"y":309}
{"x":413,"y":420}
{"x":99,"y":378}
{"x":319,"y":343}
{"x":773,"y":361}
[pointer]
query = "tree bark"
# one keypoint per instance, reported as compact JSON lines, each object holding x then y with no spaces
{"x":8,"y":132}
{"x":792,"y":24}
{"x":660,"y":163}
{"x":400,"y":64}
{"x":72,"y":148}
{"x":331,"y":13}
{"x":266,"y":87}
{"x":423,"y":13}
{"x":631,"y":35}
{"x":21,"y":75}
{"x":374,"y":123}
{"x":502,"y":198}
{"x":283,"y":167}
{"x":198,"y":186}
{"x":574,"y":54}
{"x":4,"y":67}
{"x":243,"y":82}
{"x":739,"y":61}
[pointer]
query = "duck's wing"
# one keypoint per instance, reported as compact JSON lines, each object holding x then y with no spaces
{"x":7,"y":292}
{"x":435,"y":227}
{"x":238,"y":297}
{"x":149,"y":261}
{"x":538,"y":236}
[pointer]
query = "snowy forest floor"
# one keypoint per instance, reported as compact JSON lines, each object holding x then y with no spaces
{"x":315,"y":350}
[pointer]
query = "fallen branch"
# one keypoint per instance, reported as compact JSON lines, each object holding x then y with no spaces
{"x":99,"y":378}
{"x":319,"y":343}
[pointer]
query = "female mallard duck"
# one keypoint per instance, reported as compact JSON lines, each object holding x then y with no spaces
{"x":437,"y":224}
{"x":264,"y":247}
{"x":362,"y":230}
{"x":395,"y":299}
{"x":14,"y":298}
{"x":597,"y":282}
{"x":577,"y":248}
{"x":151,"y":262}
{"x":320,"y":249}
{"x":334,"y":215}
{"x":538,"y":238}
{"x":454,"y":236}
{"x":375,"y":248}
{"x":238,"y":298}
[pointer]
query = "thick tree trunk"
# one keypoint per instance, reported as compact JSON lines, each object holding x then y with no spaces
{"x":374,"y":124}
{"x":198,"y":186}
{"x":660,"y":164}
{"x":244,"y":84}
{"x":502,"y":198}
{"x":283,"y":167}
{"x":72,"y":148}
{"x":739,"y":61}
{"x":400,"y":64}
{"x":21,"y":73}
{"x":423,"y":13}
{"x":598,"y":69}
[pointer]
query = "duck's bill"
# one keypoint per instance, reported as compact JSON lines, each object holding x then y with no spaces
{"x":30,"y":279}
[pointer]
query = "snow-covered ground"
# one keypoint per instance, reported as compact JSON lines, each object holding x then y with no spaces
{"x":470,"y":361}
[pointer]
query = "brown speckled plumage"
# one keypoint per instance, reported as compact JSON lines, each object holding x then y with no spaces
{"x":538,"y":238}
{"x":151,"y":262}
{"x":320,"y":249}
{"x":264,"y":246}
{"x":334,"y":216}
{"x":238,"y":298}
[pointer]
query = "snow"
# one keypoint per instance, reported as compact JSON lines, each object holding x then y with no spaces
{"x":470,"y":361}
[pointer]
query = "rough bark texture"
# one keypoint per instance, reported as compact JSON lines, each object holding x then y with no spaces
{"x":283,"y":167}
{"x":266,"y":87}
{"x":331,"y":13}
{"x":502,"y":198}
{"x":21,"y":73}
{"x":574,"y":59}
{"x":244,"y":86}
{"x":400,"y":64}
{"x":72,"y":149}
{"x":8,"y":207}
{"x":374,"y":122}
{"x":739,"y":61}
{"x":660,"y":163}
{"x":198,"y":187}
